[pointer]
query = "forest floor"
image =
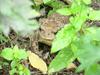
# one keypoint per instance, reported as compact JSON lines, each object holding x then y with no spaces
{"x":41,"y":48}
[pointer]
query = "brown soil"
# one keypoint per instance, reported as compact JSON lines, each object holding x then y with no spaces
{"x":41,"y":49}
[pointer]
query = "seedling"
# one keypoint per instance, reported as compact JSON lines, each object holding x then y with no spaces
{"x":16,"y":56}
{"x":78,"y":40}
{"x":15,"y":15}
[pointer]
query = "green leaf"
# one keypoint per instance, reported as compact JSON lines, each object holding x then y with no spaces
{"x":94,"y":15}
{"x":26,"y":71}
{"x":87,"y":1}
{"x":46,"y":1}
{"x":63,"y":38}
{"x":23,"y":70}
{"x":78,"y":20}
{"x":6,"y":7}
{"x":13,"y":71}
{"x":20,"y":67}
{"x":14,"y":63}
{"x":7,"y":53}
{"x":88,"y":48}
{"x":30,"y":25}
{"x":19,"y":53}
{"x":56,"y":4}
{"x":62,"y":60}
{"x":16,"y":14}
{"x":64,"y":11}
{"x":93,"y":70}
{"x":75,"y":7}
{"x":92,"y":33}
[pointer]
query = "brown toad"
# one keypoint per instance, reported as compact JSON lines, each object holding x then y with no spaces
{"x":50,"y":26}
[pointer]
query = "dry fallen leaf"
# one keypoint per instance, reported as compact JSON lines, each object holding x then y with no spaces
{"x":37,"y":62}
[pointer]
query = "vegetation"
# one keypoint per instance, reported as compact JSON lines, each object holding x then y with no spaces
{"x":15,"y":15}
{"x":77,"y":40}
{"x":16,"y":56}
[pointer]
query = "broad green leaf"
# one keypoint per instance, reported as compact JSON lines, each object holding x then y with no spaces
{"x":77,"y":1}
{"x":46,"y":1}
{"x":6,"y":7}
{"x":93,"y":32}
{"x":20,"y":27}
{"x":19,"y":53}
{"x":63,"y":38}
{"x":79,"y":20}
{"x":75,"y":8}
{"x":87,"y":1}
{"x":93,"y":70}
{"x":51,"y":12}
{"x":20,"y":72}
{"x":64,"y":11}
{"x":74,"y":46}
{"x":62,"y":60}
{"x":26,"y":71}
{"x":88,"y":49}
{"x":20,"y":67}
{"x":23,"y":8}
{"x":16,"y":14}
{"x":14,"y":63}
{"x":94,"y":15}
{"x":13,"y":71}
{"x":36,"y":13}
{"x":56,"y":4}
{"x":7,"y":53}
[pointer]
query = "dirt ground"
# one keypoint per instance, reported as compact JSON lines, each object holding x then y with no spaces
{"x":40,"y":48}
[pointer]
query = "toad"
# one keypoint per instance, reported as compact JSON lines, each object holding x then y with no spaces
{"x":50,"y":26}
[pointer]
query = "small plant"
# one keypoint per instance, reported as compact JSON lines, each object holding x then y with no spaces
{"x":16,"y":15}
{"x":78,"y":40}
{"x":16,"y":56}
{"x":54,"y":4}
